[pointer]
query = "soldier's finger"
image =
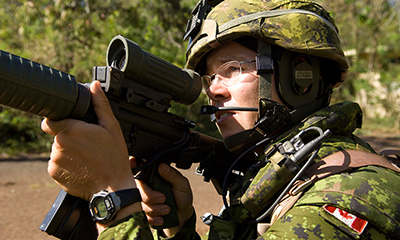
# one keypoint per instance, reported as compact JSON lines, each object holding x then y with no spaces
{"x":149,"y":196}
{"x":54,"y":127}
{"x":155,"y":209}
{"x":173,"y":176}
{"x":102,"y":107}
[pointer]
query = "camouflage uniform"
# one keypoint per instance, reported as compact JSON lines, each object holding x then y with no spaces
{"x":370,"y":193}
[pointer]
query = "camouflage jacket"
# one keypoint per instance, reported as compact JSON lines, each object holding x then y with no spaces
{"x":369,"y":195}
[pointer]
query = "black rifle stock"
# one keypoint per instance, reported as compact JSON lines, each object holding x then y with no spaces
{"x":140,"y":87}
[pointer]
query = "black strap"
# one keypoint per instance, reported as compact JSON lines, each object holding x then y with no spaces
{"x":128,"y":196}
{"x":265,"y":69}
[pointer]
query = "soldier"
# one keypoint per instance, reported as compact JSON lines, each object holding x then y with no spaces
{"x":283,"y":58}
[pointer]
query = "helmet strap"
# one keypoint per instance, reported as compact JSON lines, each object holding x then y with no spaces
{"x":265,"y":69}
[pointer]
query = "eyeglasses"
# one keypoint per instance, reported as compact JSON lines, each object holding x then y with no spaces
{"x":228,"y":73}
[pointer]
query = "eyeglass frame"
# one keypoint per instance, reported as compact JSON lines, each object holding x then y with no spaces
{"x":210,"y":78}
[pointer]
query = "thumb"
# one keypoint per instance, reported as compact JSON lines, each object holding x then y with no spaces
{"x":174,"y":177}
{"x":102,"y":106}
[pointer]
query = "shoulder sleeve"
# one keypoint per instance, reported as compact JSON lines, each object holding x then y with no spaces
{"x":132,"y":227}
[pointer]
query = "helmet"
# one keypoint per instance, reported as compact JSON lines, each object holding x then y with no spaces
{"x":284,"y":30}
{"x":297,"y":25}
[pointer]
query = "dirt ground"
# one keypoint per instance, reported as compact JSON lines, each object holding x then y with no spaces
{"x":27,"y":192}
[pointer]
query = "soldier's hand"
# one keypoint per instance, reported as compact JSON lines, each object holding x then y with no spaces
{"x":153,"y":201}
{"x":87,"y":158}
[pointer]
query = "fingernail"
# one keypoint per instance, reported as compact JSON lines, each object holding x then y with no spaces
{"x":164,"y":211}
{"x":165,"y":168}
{"x":161,"y":199}
{"x":158,"y":222}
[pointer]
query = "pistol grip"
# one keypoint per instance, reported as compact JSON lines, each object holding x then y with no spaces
{"x":157,"y":183}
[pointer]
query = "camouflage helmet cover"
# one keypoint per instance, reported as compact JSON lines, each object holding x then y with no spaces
{"x":296,"y":25}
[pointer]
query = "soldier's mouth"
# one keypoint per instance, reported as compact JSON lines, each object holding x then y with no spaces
{"x":223,"y":115}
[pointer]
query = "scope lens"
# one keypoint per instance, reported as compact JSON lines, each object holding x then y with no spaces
{"x":119,"y":61}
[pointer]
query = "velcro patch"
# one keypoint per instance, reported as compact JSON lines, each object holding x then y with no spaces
{"x":356,"y":223}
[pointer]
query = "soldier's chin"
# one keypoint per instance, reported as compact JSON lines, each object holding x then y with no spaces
{"x":231,"y":132}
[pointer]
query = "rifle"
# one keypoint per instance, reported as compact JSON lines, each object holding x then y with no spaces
{"x":140,"y":88}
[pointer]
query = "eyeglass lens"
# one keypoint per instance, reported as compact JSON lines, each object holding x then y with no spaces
{"x":228,"y":72}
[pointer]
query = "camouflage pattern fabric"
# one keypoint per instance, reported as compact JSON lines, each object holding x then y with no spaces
{"x":371,"y":193}
{"x":132,"y":227}
{"x":136,"y":226}
{"x":300,"y":26}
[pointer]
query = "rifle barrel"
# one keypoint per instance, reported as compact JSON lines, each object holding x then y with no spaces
{"x":41,"y":90}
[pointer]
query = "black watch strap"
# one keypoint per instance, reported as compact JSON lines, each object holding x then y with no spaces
{"x":128,"y":196}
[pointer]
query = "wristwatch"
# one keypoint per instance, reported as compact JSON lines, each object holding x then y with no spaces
{"x":104,"y":205}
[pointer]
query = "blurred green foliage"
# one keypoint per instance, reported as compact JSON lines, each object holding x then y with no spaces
{"x":73,"y":35}
{"x":370,"y":34}
{"x":21,"y":133}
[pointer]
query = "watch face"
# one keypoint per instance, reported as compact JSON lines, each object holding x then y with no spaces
{"x":101,"y":207}
{"x":104,"y":205}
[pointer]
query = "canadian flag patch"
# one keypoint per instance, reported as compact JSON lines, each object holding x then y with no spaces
{"x":354,"y":222}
